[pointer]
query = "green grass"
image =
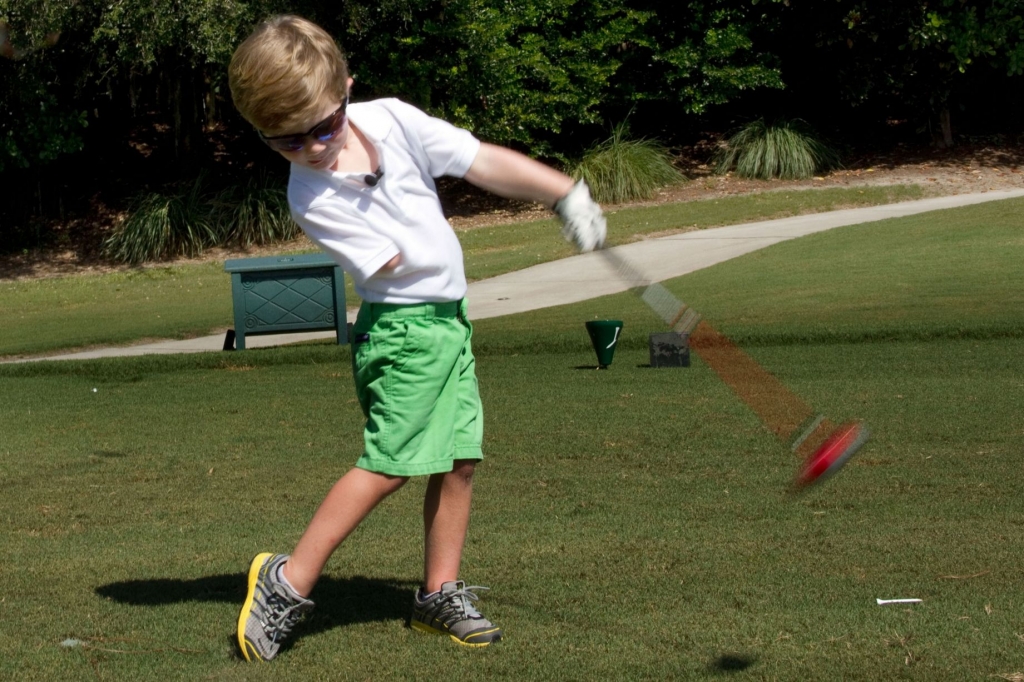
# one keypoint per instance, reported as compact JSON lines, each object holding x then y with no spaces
{"x":71,"y":312}
{"x":633,"y":522}
{"x":954,"y":274}
{"x":191,"y":300}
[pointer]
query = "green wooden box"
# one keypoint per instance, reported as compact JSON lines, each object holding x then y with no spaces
{"x":287,"y":294}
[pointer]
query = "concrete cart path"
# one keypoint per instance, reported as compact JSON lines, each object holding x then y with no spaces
{"x":592,"y":275}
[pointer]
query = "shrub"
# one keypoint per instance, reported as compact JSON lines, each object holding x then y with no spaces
{"x":254,"y":213}
{"x":160,"y":225}
{"x":787,"y":150}
{"x":167,"y":224}
{"x":621,"y":169}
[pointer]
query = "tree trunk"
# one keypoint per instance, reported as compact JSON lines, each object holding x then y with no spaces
{"x":947,"y":128}
{"x":187,"y":115}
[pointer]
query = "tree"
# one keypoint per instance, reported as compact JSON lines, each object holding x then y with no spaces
{"x":106,"y":58}
{"x":177,"y":48}
{"x":965,"y":32}
{"x":547,"y":76}
{"x":915,"y":54}
{"x":699,"y":54}
{"x":36,"y":124}
{"x":526,"y":72}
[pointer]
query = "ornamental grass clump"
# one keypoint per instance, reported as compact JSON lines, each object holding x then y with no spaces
{"x":621,"y":169}
{"x":161,"y":225}
{"x":786,"y":150}
{"x":169,"y":224}
{"x":255,"y":212}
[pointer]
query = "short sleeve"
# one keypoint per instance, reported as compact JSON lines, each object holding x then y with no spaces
{"x":446,"y":149}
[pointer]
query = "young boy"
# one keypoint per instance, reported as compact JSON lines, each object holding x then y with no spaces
{"x":362,"y":188}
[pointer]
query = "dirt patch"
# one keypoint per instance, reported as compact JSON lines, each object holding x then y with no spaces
{"x":968,"y":168}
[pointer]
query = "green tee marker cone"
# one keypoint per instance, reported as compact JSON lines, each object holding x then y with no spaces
{"x":604,"y":334}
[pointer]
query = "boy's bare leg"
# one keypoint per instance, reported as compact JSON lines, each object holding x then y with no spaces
{"x":351,"y":499}
{"x":445,"y":522}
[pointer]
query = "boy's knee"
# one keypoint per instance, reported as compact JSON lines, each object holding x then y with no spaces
{"x":463,"y":469}
{"x":395,"y":482}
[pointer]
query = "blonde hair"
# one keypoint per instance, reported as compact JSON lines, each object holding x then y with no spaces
{"x":285,"y":72}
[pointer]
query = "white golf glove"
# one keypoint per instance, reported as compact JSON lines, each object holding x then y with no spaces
{"x":582,"y":220}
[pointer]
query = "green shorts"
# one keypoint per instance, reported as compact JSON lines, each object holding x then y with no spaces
{"x":415,"y":378}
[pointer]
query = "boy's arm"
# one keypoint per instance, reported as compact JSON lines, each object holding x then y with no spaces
{"x":513,"y":175}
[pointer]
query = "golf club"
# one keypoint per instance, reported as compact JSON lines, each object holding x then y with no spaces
{"x":823,"y":447}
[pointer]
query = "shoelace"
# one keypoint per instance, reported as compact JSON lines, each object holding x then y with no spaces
{"x":462,"y":600}
{"x":284,"y":615}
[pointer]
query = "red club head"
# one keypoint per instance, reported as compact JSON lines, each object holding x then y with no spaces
{"x":831,"y":455}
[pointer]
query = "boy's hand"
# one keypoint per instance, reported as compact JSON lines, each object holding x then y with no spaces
{"x":582,"y":220}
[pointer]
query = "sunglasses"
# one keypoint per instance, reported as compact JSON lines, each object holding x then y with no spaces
{"x":324,"y":130}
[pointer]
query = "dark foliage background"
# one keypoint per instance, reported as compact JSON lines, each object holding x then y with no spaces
{"x":102,"y":101}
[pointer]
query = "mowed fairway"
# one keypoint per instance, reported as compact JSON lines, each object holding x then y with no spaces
{"x":633,"y":523}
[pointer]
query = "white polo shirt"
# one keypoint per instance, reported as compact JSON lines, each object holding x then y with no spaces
{"x":363,"y":227}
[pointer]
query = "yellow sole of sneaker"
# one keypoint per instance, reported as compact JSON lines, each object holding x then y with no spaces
{"x":426,"y":629}
{"x":248,"y":650}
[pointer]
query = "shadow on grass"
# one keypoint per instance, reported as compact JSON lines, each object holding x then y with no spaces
{"x":731,"y":663}
{"x":645,"y":365}
{"x":339,"y":601}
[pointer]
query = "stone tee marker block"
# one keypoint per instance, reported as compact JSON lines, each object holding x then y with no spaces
{"x":670,"y":349}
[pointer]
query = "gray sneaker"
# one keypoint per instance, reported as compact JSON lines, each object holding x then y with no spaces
{"x":451,"y":612}
{"x":270,"y":610}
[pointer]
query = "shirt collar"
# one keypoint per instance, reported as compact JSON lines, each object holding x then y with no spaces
{"x":370,"y":122}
